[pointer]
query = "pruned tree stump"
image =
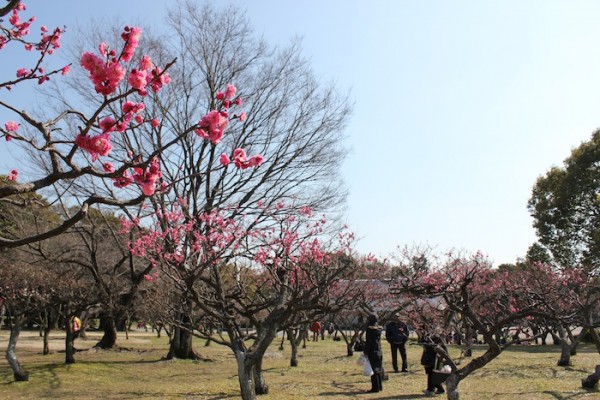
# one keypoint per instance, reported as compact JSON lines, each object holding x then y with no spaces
{"x":591,"y":382}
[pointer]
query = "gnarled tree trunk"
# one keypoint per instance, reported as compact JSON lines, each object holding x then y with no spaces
{"x":181,"y":340}
{"x":565,"y":348}
{"x":109,"y":338}
{"x":294,"y":343}
{"x":15,"y":330}
{"x":468,"y":350}
{"x":260,"y":384}
{"x":245,"y":374}
{"x":452,"y":387}
{"x":591,"y":382}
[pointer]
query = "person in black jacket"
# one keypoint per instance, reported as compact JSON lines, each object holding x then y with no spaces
{"x":430,"y":361}
{"x":396,"y":333}
{"x":373,"y":352}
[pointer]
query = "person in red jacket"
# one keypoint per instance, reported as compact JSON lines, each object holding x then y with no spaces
{"x":315,"y":328}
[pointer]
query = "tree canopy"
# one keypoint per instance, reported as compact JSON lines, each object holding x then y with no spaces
{"x":565,"y":205}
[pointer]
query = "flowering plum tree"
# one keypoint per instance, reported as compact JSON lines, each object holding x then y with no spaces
{"x":261,"y":270}
{"x":488,"y":300}
{"x":275,"y":140}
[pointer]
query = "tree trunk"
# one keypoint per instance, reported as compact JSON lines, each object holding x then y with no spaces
{"x":181,"y":341}
{"x":565,"y":348}
{"x":109,"y":338}
{"x":69,"y":346}
{"x":595,"y":338}
{"x":260,"y":385}
{"x":46,"y":350}
{"x":69,"y":339}
{"x":245,"y":376}
{"x":85,"y":318}
{"x":282,"y":341}
{"x":349,"y":349}
{"x":2,"y":311}
{"x":19,"y":373}
{"x":452,"y":387}
{"x":159,"y":328}
{"x":294,"y":345}
{"x":210,"y":333}
{"x":591,"y":382}
{"x":468,"y":351}
{"x":575,"y":342}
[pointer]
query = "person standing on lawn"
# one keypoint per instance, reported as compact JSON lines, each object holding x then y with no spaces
{"x":431,"y":361}
{"x":396,"y":333}
{"x":315,"y":328}
{"x":373,"y":352}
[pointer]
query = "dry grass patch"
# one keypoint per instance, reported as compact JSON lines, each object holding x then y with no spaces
{"x":136,"y":371}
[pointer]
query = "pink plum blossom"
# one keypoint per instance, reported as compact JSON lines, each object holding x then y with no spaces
{"x":107,"y":124}
{"x":230,"y":92}
{"x":12,"y":176}
{"x":11,"y":126}
{"x":146,"y":63}
{"x":148,"y":178}
{"x":212,"y":126}
{"x":224,"y":159}
{"x":22,"y":72}
{"x":98,"y":145}
{"x":108,"y":167}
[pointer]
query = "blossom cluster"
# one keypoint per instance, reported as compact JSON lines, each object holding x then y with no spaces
{"x":98,"y":145}
{"x":212,"y":127}
{"x":107,"y":71}
{"x":19,"y":28}
{"x":49,"y":42}
{"x":241,"y":160}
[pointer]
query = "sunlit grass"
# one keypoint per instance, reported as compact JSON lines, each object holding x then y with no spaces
{"x":136,"y":370}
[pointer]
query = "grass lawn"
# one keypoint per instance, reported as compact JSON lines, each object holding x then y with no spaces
{"x":135,"y":371}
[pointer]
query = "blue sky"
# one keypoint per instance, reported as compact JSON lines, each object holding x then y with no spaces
{"x":459,"y":106}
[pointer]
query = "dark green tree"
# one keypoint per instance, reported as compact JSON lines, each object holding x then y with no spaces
{"x":537,"y":253}
{"x":565,"y":205}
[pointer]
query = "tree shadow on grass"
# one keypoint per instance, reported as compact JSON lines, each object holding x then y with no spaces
{"x":550,"y":348}
{"x":562,"y":396}
{"x":177,"y":395}
{"x":377,"y":396}
{"x":349,"y":391}
{"x":528,"y":371}
{"x":48,"y":371}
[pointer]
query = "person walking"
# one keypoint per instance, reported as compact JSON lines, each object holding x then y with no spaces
{"x":396,"y":333}
{"x":373,"y":352}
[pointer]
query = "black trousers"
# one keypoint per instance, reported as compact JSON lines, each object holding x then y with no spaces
{"x":377,"y":380}
{"x":377,"y":377}
{"x":430,"y":386}
{"x":397,"y":347}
